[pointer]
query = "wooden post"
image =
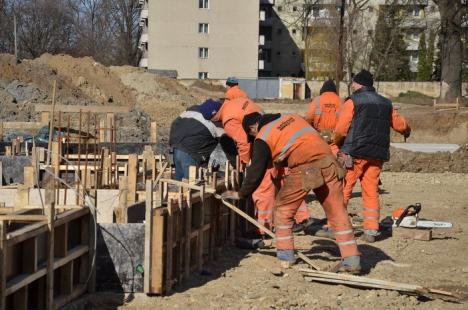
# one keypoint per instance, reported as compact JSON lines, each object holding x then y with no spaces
{"x":3,"y":267}
{"x":157,"y":253}
{"x":21,"y":197}
{"x":28,"y":176}
{"x":169,"y":245}
{"x":188,"y":236}
{"x":102,"y":131}
{"x":154,"y":132}
{"x":121,"y":212}
{"x":148,"y":235}
{"x":105,"y":167}
{"x":132,"y":177}
{"x":110,"y":118}
{"x":49,"y":182}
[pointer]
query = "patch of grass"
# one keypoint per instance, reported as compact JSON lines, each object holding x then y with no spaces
{"x":413,"y":97}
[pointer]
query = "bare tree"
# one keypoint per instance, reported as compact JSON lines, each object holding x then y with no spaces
{"x":452,"y":14}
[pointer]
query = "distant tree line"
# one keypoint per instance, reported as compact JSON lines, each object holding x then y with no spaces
{"x":107,"y":30}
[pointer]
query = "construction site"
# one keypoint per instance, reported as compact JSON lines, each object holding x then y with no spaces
{"x":92,"y":217}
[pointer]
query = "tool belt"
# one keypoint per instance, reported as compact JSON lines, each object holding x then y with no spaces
{"x":311,"y":173}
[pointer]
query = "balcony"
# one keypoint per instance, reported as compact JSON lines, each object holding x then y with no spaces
{"x":264,"y":65}
{"x":262,"y":16}
{"x":143,"y":63}
{"x":143,"y":39}
{"x":261,"y":40}
{"x":271,"y":2}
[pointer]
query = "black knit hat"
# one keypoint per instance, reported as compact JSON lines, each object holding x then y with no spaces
{"x":328,"y":86}
{"x":365,"y":78}
{"x":249,"y":120}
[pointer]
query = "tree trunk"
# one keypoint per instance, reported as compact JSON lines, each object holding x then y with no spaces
{"x":452,"y":52}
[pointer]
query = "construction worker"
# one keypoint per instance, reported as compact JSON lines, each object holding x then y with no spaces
{"x":231,"y":115}
{"x":363,"y":134}
{"x":194,"y":137}
{"x":288,"y":140}
{"x":234,"y":91}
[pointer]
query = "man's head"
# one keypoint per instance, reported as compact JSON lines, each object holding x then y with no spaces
{"x":363,"y":79}
{"x":328,"y":86}
{"x":209,"y":108}
{"x":232,"y":81}
{"x":250,"y":123}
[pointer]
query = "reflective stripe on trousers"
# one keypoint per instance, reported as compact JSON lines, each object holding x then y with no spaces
{"x":330,"y":195}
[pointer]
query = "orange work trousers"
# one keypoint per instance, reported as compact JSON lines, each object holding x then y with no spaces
{"x":264,"y":198}
{"x":330,"y":196}
{"x":367,"y":171}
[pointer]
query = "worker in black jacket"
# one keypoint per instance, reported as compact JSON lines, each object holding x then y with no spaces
{"x":194,"y":137}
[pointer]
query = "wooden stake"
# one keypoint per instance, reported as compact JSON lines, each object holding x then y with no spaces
{"x":132,"y":177}
{"x":154,"y":132}
{"x":148,"y":235}
{"x":51,"y":124}
{"x":3,"y":266}
{"x":49,"y":182}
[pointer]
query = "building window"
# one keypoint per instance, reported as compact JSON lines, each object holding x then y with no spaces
{"x":203,"y":4}
{"x":280,"y":8}
{"x":415,"y":11}
{"x":294,"y":8}
{"x":294,"y":31}
{"x":278,"y":53}
{"x":294,"y":53}
{"x":279,"y":31}
{"x":202,"y":75}
{"x":203,"y":28}
{"x":371,"y":9}
{"x":203,"y":52}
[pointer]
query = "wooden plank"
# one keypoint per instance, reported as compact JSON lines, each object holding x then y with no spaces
{"x":121,"y":211}
{"x":49,"y":184}
{"x":188,"y":231}
{"x":154,"y":132}
{"x":63,"y":300}
{"x":21,"y":196}
{"x":3,"y":266}
{"x":102,"y":131}
{"x":29,"y":176}
{"x":412,"y":233}
{"x":110,"y":120}
{"x":169,"y":246}
{"x":66,"y":279}
{"x":132,"y":178}
{"x":157,"y":254}
{"x":148,"y":236}
{"x":201,"y":236}
{"x":23,"y":218}
{"x":45,"y":116}
{"x":24,"y":125}
{"x":61,"y":240}
{"x":83,"y":108}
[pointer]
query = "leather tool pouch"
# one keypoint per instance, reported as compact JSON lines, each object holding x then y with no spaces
{"x":311,"y":178}
{"x":340,"y":170}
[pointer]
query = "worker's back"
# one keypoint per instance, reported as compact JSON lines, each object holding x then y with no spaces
{"x":236,"y":109}
{"x":324,"y":111}
{"x":235,"y":92}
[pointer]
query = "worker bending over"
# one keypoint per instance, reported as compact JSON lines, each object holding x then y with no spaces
{"x":363,"y":134}
{"x":234,"y":91}
{"x":231,"y":115}
{"x":290,"y":141}
{"x":194,"y":137}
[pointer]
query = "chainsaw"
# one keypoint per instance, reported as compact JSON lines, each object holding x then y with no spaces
{"x":409,"y":218}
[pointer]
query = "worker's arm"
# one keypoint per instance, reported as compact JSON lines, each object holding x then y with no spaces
{"x":309,"y":117}
{"x":233,"y":129}
{"x":261,"y":158}
{"x":344,"y":122}
{"x":399,"y":124}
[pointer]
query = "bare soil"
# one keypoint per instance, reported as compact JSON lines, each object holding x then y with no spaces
{"x":243,"y":279}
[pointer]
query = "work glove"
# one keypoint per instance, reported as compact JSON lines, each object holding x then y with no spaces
{"x":230,"y":195}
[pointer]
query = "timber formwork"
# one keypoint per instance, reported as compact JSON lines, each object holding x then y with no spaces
{"x":46,"y":254}
{"x":185,"y":228}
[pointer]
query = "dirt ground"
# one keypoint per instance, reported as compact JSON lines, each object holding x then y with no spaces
{"x":243,"y":280}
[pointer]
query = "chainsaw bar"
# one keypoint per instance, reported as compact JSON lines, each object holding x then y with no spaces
{"x":433,"y":224}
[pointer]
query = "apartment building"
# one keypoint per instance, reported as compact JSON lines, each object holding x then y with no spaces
{"x":300,"y":36}
{"x":199,"y":39}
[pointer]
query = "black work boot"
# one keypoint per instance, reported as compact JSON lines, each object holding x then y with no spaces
{"x":302,"y":225}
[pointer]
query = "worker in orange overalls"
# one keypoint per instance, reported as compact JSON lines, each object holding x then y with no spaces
{"x":234,"y":91}
{"x":288,"y":140}
{"x":231,"y":115}
{"x":323,"y":112}
{"x":363,"y":134}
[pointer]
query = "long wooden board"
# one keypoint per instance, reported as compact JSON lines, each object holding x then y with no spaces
{"x":83,"y":109}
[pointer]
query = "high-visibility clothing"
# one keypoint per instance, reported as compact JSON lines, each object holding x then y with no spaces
{"x":290,"y":138}
{"x":231,"y":115}
{"x":367,"y":171}
{"x":330,"y":195}
{"x":365,"y":121}
{"x":235,"y":92}
{"x":324,"y":111}
{"x":264,"y":198}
